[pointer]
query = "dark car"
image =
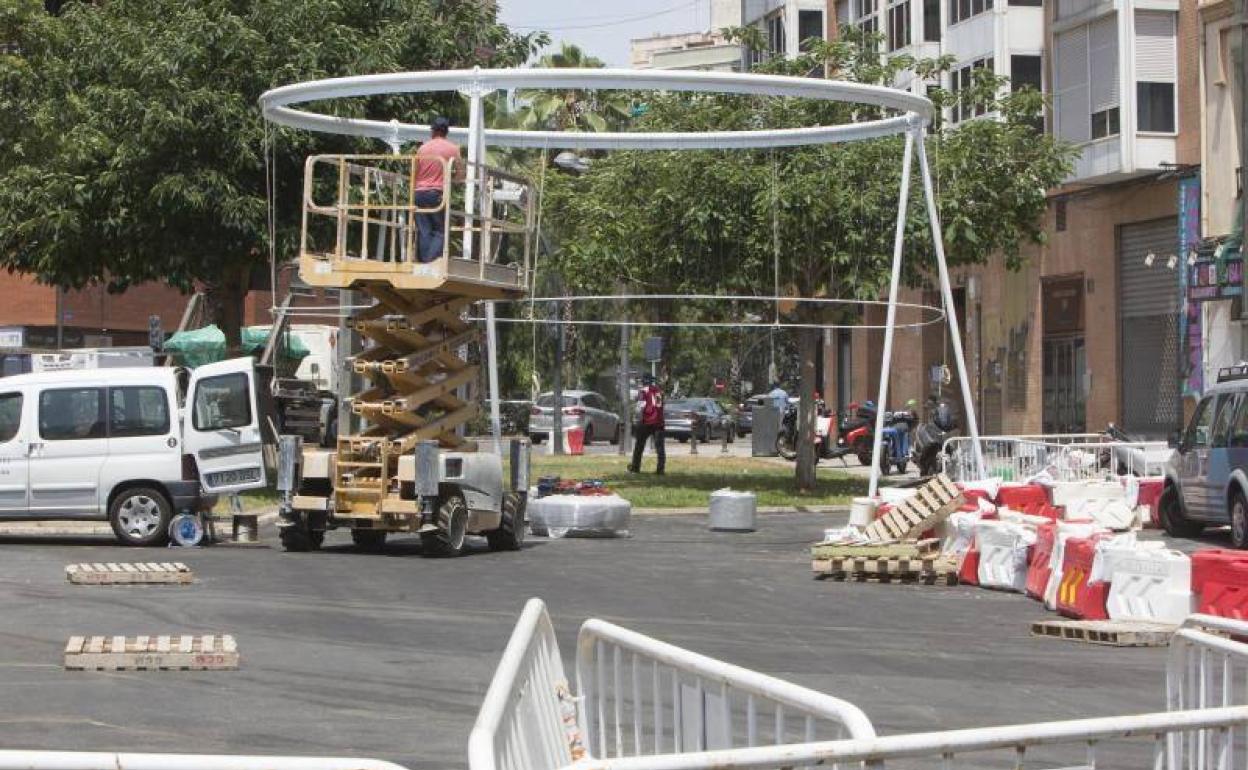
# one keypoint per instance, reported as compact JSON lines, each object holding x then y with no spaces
{"x":700,"y":417}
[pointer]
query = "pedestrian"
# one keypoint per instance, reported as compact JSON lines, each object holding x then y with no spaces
{"x":430,"y":181}
{"x":779,"y":398}
{"x":649,"y":424}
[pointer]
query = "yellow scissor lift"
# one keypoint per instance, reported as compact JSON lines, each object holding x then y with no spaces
{"x":407,"y":467}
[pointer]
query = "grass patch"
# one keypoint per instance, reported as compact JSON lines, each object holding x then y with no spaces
{"x":688,"y":481}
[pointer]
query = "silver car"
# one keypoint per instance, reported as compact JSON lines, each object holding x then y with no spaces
{"x":582,"y":409}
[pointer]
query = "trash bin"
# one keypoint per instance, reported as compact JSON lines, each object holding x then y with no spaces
{"x":766,"y":427}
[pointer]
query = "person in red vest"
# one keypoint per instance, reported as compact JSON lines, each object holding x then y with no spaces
{"x":649,"y":416}
{"x":430,"y":181}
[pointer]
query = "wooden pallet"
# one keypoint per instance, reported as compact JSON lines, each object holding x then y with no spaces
{"x":931,"y":504}
{"x":1112,"y":633}
{"x":927,"y":569}
{"x":913,"y":550}
{"x":125,"y":573}
{"x":147,"y":653}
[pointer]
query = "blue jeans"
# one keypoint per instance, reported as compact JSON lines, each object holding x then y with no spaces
{"x":429,"y":226}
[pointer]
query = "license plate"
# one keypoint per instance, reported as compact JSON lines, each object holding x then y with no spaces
{"x":229,"y":478}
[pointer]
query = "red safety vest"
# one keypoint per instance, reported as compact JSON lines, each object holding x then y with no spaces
{"x":651,"y":399}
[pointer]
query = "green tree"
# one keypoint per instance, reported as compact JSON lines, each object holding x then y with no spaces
{"x":573,"y":109}
{"x":133,"y":147}
{"x":718,"y":221}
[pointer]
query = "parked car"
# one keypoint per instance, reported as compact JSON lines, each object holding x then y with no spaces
{"x":582,"y":409}
{"x":700,"y":417}
{"x":1207,"y":475}
{"x":117,"y":444}
{"x":745,"y":414}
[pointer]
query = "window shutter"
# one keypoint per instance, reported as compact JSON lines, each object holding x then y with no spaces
{"x":1071,"y":88}
{"x":1155,"y":47}
{"x":1103,"y":51}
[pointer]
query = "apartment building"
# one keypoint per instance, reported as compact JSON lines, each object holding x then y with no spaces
{"x":1092,"y":330}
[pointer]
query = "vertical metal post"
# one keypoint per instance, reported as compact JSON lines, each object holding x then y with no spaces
{"x":556,"y":415}
{"x":903,"y":198}
{"x":626,"y":429}
{"x":946,"y":289}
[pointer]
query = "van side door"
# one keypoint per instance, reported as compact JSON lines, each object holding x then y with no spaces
{"x":1194,"y":457}
{"x":14,"y":453}
{"x":69,"y":450}
{"x":221,"y":426}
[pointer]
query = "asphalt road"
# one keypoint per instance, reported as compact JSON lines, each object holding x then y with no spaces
{"x":351,"y":654}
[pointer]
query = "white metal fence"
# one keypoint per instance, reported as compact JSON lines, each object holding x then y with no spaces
{"x":646,"y":705}
{"x":1064,"y":457}
{"x":646,"y":697}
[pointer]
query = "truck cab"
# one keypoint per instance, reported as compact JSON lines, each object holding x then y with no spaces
{"x":128,"y":445}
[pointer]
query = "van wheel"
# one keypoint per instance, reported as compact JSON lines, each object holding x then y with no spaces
{"x":1239,"y":521}
{"x":1172,"y":519}
{"x":140,"y":517}
{"x":452,"y":530}
{"x":510,"y":533}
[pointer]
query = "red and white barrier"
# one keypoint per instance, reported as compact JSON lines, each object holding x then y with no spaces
{"x":1077,"y":596}
{"x":1065,"y":531}
{"x":1150,"y":583}
{"x":1220,"y":582}
{"x":1003,"y":549}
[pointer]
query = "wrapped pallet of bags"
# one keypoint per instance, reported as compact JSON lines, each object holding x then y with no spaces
{"x":580,"y":516}
{"x":1003,"y":553}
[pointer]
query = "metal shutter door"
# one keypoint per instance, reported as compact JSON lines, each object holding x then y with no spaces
{"x":1071,"y":71}
{"x":1148,"y":309}
{"x":1103,"y":67}
{"x":1155,"y":47}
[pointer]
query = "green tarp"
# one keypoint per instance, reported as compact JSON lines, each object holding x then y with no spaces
{"x":207,"y":345}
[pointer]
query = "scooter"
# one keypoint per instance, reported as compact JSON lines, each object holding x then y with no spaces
{"x":895,"y":439}
{"x":855,"y":432}
{"x":786,"y":439}
{"x":942,"y":422}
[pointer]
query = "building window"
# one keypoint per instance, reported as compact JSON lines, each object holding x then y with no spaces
{"x":809,"y":27}
{"x":1155,"y":107}
{"x":775,"y":35}
{"x":1031,"y":3}
{"x":1025,"y":73}
{"x":961,"y":80}
{"x":899,"y":25}
{"x":931,"y":21}
{"x":961,"y":10}
{"x":1105,"y":123}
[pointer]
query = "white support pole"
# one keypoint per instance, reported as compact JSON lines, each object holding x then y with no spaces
{"x":476,"y":154}
{"x":951,"y":315}
{"x":903,"y":198}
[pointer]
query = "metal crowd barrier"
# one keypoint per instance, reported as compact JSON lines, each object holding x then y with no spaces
{"x":1064,"y":457}
{"x":646,"y":705}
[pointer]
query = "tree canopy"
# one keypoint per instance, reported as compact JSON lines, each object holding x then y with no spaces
{"x":133,"y":145}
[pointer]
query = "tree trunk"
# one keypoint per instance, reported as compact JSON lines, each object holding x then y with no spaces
{"x":226,"y":300}
{"x":808,"y":345}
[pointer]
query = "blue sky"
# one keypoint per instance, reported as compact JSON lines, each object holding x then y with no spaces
{"x":603,"y":29}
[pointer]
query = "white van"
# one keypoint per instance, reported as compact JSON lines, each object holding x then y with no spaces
{"x":118,"y":444}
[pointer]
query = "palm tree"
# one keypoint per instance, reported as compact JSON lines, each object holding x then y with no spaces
{"x":574,"y":109}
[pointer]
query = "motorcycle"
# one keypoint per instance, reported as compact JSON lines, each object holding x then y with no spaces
{"x":855,"y":432}
{"x":895,"y":439}
{"x":786,"y":439}
{"x":942,"y":422}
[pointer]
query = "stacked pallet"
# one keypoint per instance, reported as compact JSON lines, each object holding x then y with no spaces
{"x":892,"y":551}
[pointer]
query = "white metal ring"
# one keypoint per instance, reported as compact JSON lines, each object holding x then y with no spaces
{"x":914,"y":110}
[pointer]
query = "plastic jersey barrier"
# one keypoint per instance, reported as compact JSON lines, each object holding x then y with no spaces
{"x":1220,"y":582}
{"x":1038,"y":568}
{"x":968,"y":570}
{"x":1076,"y":597}
{"x":1003,"y":547}
{"x":1032,"y":499}
{"x":1153,"y":584}
{"x":1150,"y":497}
{"x":1065,"y":531}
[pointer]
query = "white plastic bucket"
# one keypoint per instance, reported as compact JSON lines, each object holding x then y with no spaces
{"x":862,"y":512}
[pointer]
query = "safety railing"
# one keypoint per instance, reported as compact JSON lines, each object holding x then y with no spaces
{"x":1136,"y":741}
{"x":1063,"y":457}
{"x":1208,"y":668}
{"x":528,"y":719}
{"x":364,"y":212}
{"x":642,"y":696}
{"x":109,"y":760}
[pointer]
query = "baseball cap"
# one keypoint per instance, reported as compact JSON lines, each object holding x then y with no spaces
{"x":440,"y":124}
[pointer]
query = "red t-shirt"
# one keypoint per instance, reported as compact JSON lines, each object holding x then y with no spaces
{"x":650,"y":399}
{"x":429,"y":174}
